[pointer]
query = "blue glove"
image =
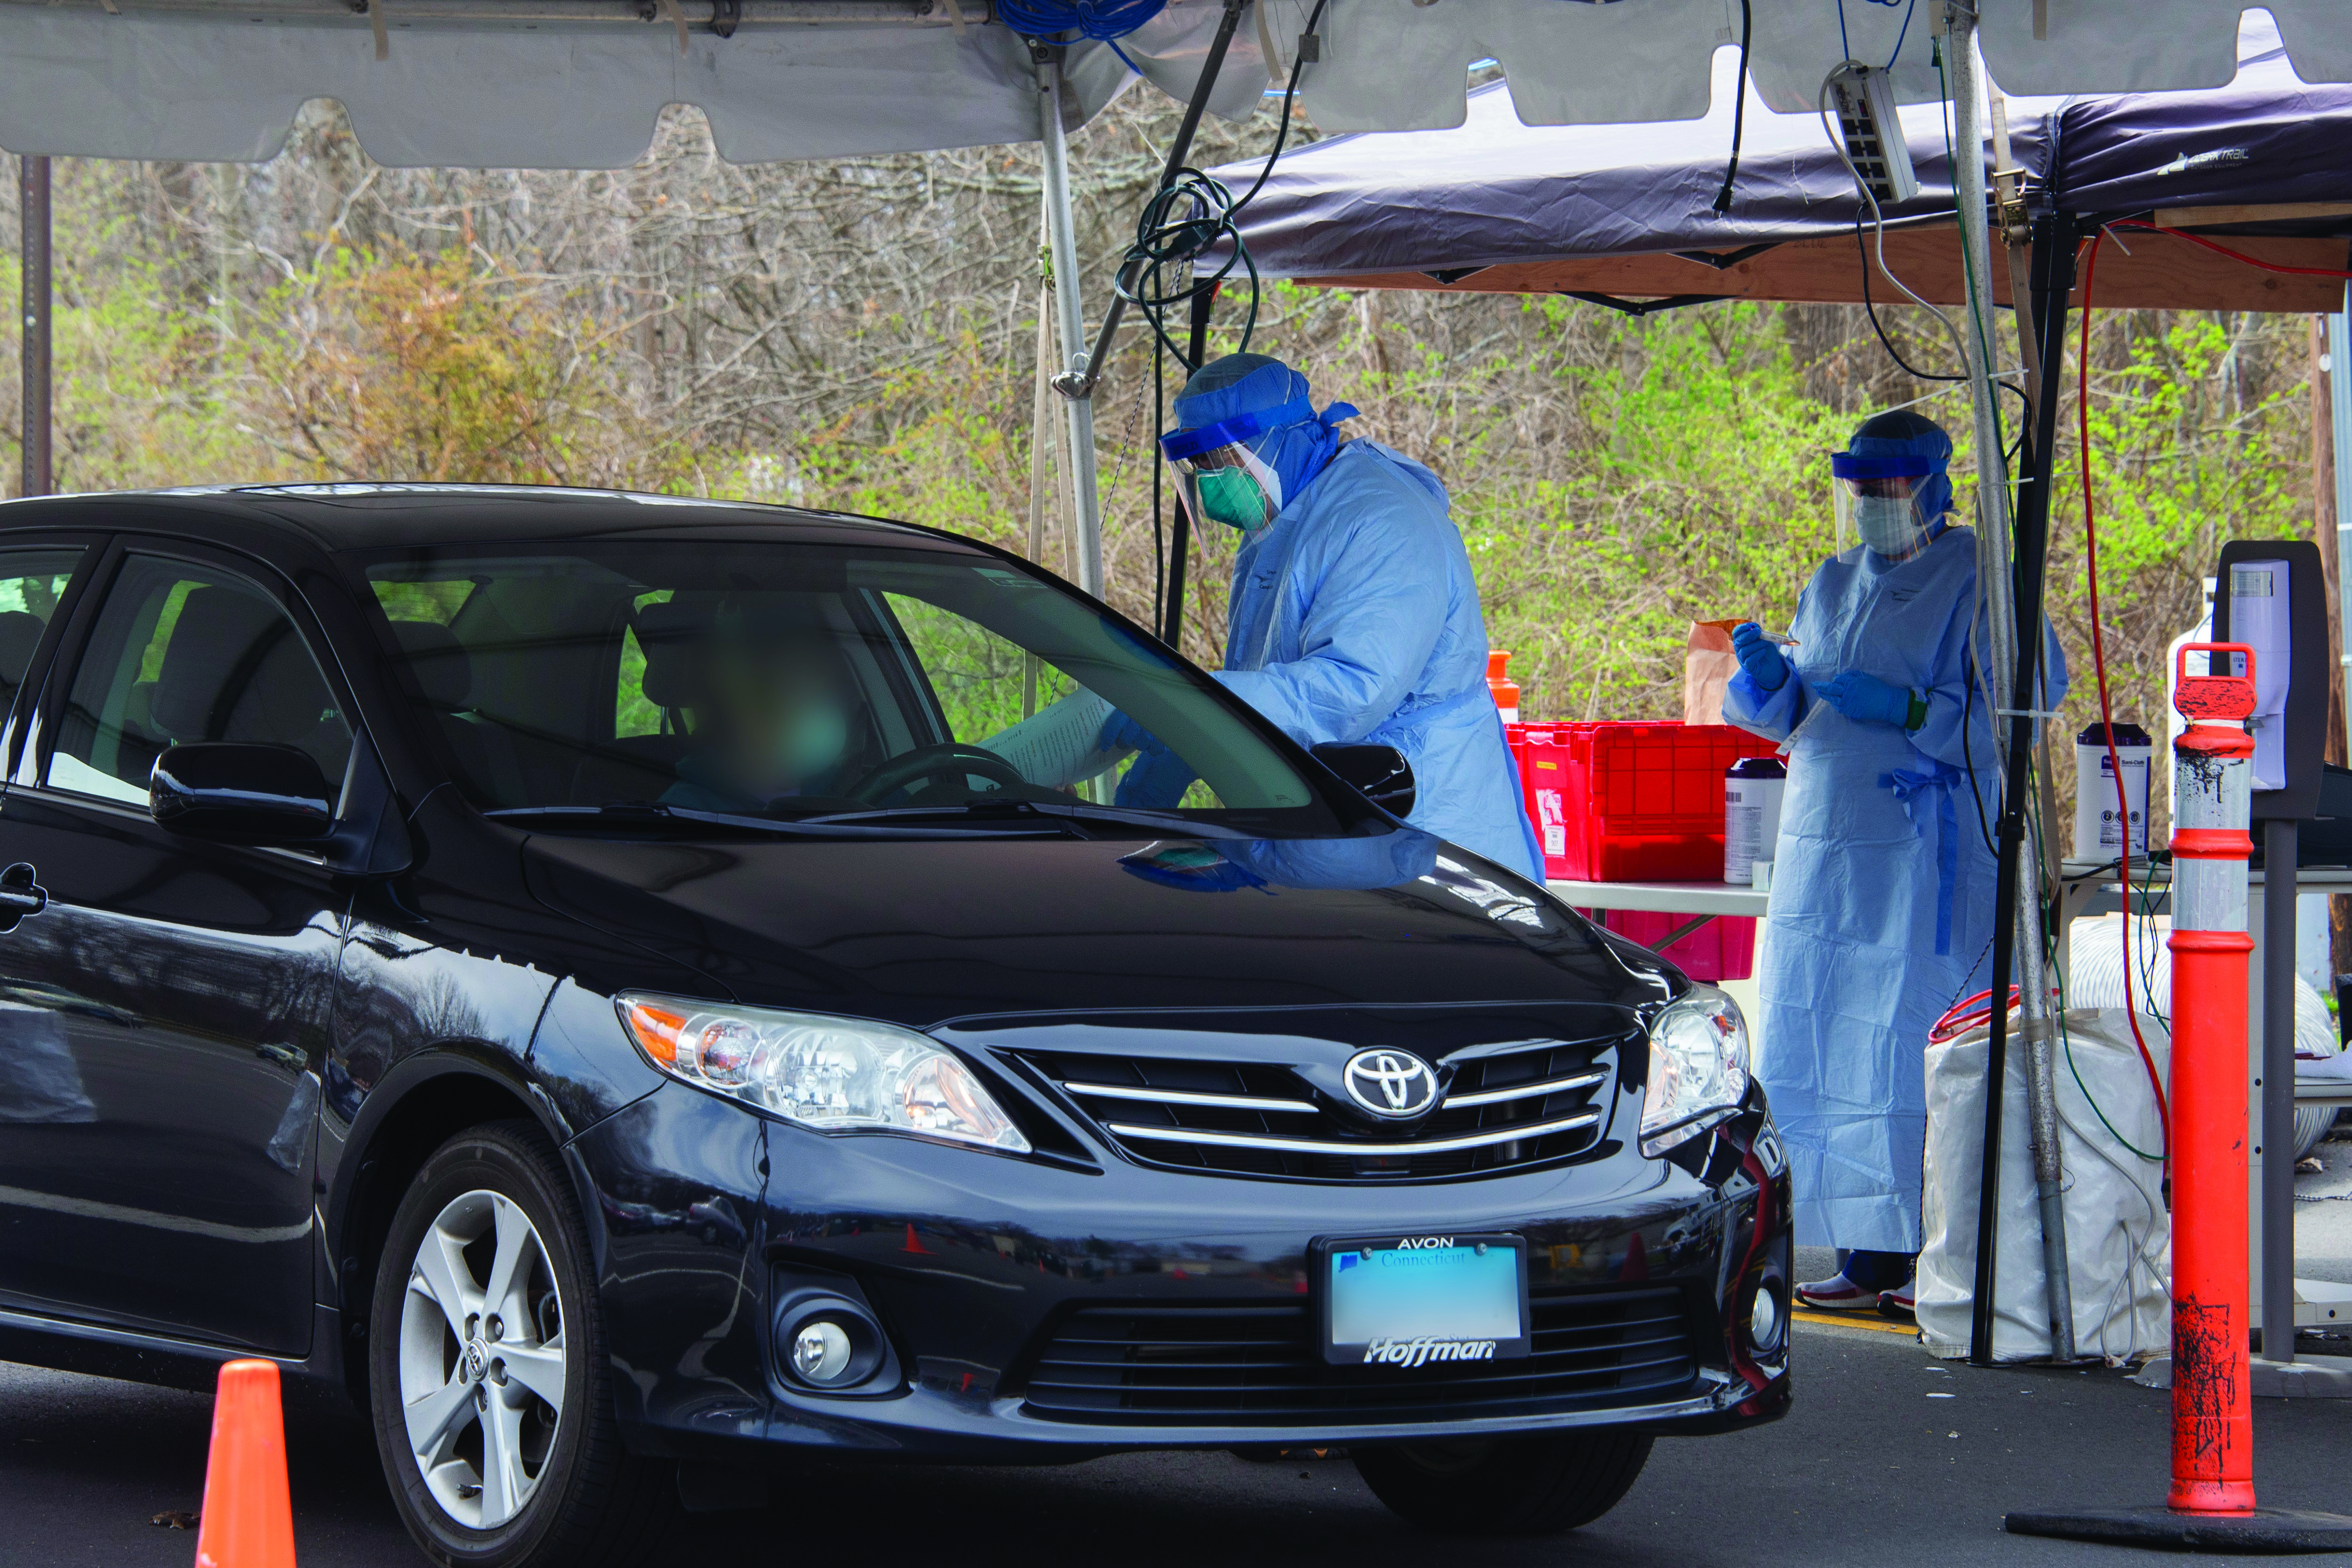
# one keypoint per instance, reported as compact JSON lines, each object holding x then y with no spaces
{"x":1121,"y":733}
{"x":1759,"y":658}
{"x":1867,"y":700}
{"x":1155,"y":780}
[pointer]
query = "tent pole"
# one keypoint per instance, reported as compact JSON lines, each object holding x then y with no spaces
{"x":1063,"y":248}
{"x":2339,"y":401}
{"x":33,"y":317}
{"x":2019,"y":919}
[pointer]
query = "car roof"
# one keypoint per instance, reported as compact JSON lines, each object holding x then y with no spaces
{"x":340,"y":517}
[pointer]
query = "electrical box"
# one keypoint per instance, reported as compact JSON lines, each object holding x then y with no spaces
{"x":1862,"y":98}
{"x":2273,"y":597}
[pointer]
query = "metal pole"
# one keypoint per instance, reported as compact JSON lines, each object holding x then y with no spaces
{"x":2339,"y":399}
{"x":1063,"y":243}
{"x":2018,"y":918}
{"x":33,"y":208}
{"x":1993,"y":542}
{"x":2279,"y":855}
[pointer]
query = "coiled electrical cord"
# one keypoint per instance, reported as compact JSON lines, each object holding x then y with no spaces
{"x":1189,"y":213}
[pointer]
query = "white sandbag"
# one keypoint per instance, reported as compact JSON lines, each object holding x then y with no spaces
{"x":2098,"y":981}
{"x":2118,"y":1237}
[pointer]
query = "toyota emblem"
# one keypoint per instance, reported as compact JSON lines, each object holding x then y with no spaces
{"x":1390,"y":1082}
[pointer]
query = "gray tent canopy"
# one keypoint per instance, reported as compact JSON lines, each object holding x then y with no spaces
{"x":580,"y":83}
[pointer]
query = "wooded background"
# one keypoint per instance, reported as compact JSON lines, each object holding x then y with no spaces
{"x":860,"y":334}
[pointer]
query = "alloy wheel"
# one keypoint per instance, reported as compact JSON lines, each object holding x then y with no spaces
{"x":481,"y":1359}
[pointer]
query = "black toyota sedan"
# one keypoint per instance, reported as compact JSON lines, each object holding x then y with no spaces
{"x":649,"y":994}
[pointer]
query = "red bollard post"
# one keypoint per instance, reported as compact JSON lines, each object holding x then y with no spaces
{"x":2212,"y":1411}
{"x":2210,"y":1503}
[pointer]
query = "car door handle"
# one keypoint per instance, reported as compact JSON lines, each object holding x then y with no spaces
{"x":20,"y":895}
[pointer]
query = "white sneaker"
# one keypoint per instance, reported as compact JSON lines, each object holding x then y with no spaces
{"x":1837,"y":1294}
{"x":1899,"y":1302}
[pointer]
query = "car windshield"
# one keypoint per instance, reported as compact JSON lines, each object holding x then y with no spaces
{"x":790,"y":680}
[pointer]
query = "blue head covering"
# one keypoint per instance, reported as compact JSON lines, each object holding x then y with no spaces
{"x":1906,"y":434}
{"x":1255,"y":384}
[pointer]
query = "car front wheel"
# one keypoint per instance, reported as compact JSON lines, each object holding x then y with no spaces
{"x":1527,"y":1486}
{"x":487,"y":1368}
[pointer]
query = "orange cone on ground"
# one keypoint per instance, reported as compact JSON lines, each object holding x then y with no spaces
{"x":249,"y":1517}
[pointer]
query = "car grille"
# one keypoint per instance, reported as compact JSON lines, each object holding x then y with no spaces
{"x":1260,"y":1364}
{"x":1509,"y":1109}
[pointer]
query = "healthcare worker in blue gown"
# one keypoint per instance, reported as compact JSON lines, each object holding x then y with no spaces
{"x":1882,"y":905}
{"x":1354,"y":617}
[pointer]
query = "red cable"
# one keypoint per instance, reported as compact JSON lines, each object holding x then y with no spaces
{"x":2225,"y":250}
{"x":2099,"y":664}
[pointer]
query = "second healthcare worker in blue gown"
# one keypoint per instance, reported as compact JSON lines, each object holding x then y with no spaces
{"x":1882,"y":904}
{"x":1354,"y":615}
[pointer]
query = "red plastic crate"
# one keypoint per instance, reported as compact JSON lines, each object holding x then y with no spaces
{"x":1630,"y":802}
{"x":1723,"y":948}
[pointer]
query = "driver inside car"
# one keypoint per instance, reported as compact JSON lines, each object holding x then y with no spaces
{"x":769,"y":720}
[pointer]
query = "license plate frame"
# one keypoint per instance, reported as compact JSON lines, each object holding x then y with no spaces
{"x":1420,"y":1332}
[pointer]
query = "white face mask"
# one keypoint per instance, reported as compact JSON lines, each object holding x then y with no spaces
{"x":1890,"y":525}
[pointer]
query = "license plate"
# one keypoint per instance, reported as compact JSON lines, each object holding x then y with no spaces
{"x":1407,"y":1302}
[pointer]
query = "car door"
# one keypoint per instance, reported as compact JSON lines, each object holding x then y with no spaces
{"x":180,"y":991}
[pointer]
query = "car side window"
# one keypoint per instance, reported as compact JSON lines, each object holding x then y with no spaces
{"x":31,"y":584}
{"x":179,"y":653}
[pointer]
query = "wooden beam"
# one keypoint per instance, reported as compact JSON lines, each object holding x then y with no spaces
{"x":2160,"y":272}
{"x":2277,"y":212}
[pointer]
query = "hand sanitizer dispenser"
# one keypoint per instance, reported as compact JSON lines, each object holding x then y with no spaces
{"x":2260,"y":595}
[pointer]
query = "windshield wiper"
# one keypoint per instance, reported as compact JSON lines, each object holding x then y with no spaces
{"x":1073,"y":812}
{"x":650,"y":814}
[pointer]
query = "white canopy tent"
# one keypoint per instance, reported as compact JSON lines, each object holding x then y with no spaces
{"x":579,"y":83}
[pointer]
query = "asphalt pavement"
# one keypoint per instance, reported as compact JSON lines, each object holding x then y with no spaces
{"x":1888,"y":1456}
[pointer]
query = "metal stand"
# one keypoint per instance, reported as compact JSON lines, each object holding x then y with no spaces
{"x":1180,"y":542}
{"x":33,"y":205}
{"x":2277,"y":1194}
{"x":1062,"y":245}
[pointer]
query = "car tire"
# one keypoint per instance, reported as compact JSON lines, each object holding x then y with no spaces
{"x":1528,"y":1486}
{"x":486,"y":1470}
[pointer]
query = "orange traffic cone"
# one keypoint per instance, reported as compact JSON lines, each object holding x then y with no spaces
{"x":249,"y":1517}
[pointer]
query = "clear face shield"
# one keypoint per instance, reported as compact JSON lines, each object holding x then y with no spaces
{"x":1878,"y":501}
{"x":1232,"y":483}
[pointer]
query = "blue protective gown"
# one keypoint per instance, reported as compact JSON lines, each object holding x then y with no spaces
{"x":1881,"y":913}
{"x":1354,"y":617}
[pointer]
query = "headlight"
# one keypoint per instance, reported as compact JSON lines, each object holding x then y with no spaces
{"x":1698,"y":1069}
{"x":837,"y":1074}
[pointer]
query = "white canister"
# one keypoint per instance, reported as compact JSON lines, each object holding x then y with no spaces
{"x":1751,"y":813}
{"x":2098,"y":819}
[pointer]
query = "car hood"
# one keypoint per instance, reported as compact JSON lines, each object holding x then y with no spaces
{"x":923,"y":931}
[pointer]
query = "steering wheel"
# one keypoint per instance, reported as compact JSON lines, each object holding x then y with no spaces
{"x":947,"y":760}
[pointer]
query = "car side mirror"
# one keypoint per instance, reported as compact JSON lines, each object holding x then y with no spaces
{"x":1379,"y":773}
{"x":237,"y":793}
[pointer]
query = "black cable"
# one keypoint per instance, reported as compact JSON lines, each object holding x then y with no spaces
{"x":1192,"y":212}
{"x":1739,"y":105}
{"x":1159,"y":549}
{"x":1863,"y":251}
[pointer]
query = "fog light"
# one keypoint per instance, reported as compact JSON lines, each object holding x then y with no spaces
{"x":1766,"y":1321}
{"x":822,"y":1354}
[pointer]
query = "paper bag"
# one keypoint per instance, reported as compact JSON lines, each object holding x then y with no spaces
{"x":1709,"y":665}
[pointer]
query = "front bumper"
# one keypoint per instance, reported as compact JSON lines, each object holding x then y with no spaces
{"x":973,"y":1262}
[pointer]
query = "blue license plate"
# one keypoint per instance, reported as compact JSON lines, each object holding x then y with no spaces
{"x":1411,"y":1301}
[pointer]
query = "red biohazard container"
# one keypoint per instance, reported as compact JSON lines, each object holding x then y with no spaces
{"x":1723,"y":948}
{"x":1649,"y":800}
